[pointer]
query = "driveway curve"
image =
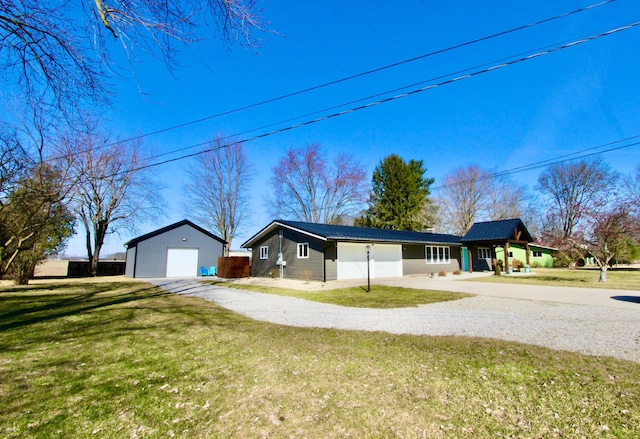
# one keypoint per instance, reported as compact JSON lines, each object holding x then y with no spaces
{"x":591,"y":329}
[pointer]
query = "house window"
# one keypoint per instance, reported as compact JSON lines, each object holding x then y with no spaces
{"x":484,"y":253}
{"x":435,"y":254}
{"x":537,"y":254}
{"x":303,"y":250}
{"x":264,"y":252}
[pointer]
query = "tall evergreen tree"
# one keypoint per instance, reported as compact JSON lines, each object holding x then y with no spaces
{"x":399,"y":194}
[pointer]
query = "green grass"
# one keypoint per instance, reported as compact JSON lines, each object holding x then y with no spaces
{"x":617,"y":279}
{"x":380,"y":296}
{"x":114,"y":360}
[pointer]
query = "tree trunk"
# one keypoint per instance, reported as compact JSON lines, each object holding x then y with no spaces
{"x":603,"y":273}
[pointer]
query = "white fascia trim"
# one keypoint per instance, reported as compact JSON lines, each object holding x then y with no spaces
{"x":304,"y":232}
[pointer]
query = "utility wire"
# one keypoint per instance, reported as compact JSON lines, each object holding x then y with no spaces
{"x":376,"y":70}
{"x":344,"y":104}
{"x":403,"y":95}
{"x":548,"y":162}
{"x":361,"y":74}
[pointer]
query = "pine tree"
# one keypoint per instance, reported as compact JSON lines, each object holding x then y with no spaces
{"x":399,"y":194}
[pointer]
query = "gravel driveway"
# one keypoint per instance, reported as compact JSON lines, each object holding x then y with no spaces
{"x":589,"y":329}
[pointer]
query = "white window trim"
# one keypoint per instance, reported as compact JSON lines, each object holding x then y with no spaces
{"x":439,"y":254}
{"x":301,"y":246}
{"x":486,"y":251}
{"x":264,"y":252}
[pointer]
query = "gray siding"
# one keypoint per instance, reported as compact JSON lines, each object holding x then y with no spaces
{"x":413,"y":260}
{"x":130,"y":266}
{"x":481,"y":264}
{"x":331,"y":261}
{"x":151,"y":254}
{"x":296,"y":268}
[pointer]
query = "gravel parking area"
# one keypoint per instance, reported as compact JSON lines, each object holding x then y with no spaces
{"x":589,"y":329}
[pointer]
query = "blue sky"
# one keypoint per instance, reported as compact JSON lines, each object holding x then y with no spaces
{"x":563,"y":102}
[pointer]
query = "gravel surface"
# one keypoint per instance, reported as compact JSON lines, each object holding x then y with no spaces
{"x":593,"y":330}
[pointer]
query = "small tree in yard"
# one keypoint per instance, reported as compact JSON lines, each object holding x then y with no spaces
{"x":34,"y":222}
{"x":608,"y":232}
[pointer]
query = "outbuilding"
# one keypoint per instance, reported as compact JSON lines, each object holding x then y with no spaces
{"x":177,"y":250}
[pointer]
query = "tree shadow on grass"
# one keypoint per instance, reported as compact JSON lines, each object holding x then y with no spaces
{"x":631,"y":299}
{"x":31,"y":307}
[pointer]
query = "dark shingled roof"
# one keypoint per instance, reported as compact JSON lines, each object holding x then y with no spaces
{"x":362,"y":234}
{"x":171,"y":227}
{"x":496,"y":231}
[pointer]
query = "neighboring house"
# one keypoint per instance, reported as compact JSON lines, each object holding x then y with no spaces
{"x":539,"y":255}
{"x":326,"y":252}
{"x":483,"y":239}
{"x":177,"y":250}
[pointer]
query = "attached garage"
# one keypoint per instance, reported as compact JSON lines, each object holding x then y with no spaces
{"x":177,"y":250}
{"x":352,"y":261}
{"x":325,"y":252}
{"x":385,"y":260}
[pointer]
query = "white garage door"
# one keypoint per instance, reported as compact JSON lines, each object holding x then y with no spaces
{"x":385,"y":260}
{"x":352,"y":261}
{"x":182,"y":262}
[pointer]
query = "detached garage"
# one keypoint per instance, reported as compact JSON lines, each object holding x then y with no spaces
{"x":177,"y":250}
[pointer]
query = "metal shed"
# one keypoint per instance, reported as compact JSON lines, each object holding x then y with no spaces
{"x":177,"y":250}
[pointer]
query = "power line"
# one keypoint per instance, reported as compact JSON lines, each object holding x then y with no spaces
{"x":405,"y":94}
{"x":376,"y":70}
{"x":550,"y":162}
{"x":359,"y":75}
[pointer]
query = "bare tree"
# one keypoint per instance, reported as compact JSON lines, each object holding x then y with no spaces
{"x":34,"y":219}
{"x":463,"y":198}
{"x":505,"y":199}
{"x":572,"y":189}
{"x":61,"y":50}
{"x":219,"y":188}
{"x":608,"y":227}
{"x":111,"y":191}
{"x":309,"y":188}
{"x":631,"y":187}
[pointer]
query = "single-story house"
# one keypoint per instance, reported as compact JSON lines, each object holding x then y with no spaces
{"x":177,"y":250}
{"x":324,"y":252}
{"x":334,"y":252}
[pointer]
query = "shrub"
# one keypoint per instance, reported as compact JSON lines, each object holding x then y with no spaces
{"x":535,"y":264}
{"x":457,"y":272}
{"x":306,"y":275}
{"x":275,"y":273}
{"x":442,"y":274}
{"x":562,"y":260}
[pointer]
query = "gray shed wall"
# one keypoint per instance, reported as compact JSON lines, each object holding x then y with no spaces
{"x":130,"y":266}
{"x":151,"y":254}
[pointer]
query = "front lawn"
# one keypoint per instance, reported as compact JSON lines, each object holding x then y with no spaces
{"x":127,"y":360}
{"x":380,"y":296}
{"x":617,"y":279}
